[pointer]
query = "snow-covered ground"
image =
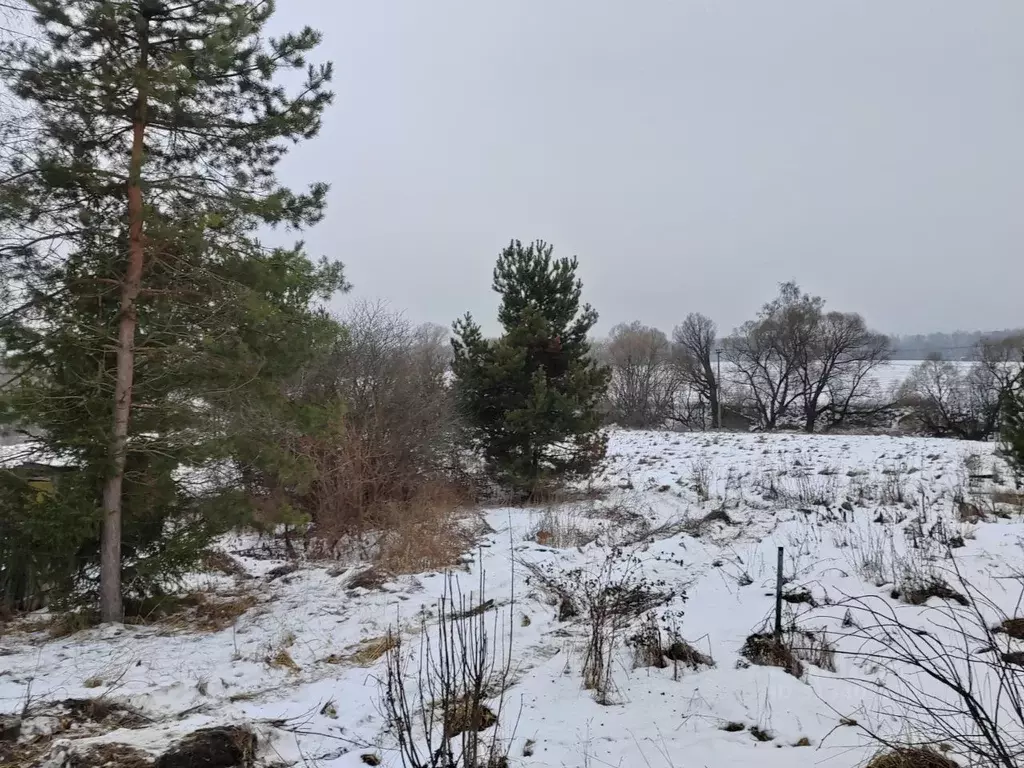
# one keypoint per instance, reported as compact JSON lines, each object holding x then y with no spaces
{"x":852,"y":513}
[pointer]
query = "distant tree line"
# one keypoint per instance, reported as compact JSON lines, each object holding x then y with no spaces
{"x":799,"y":364}
{"x":959,"y":345}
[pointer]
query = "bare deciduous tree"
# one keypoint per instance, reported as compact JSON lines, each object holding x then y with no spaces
{"x":834,"y":370}
{"x":956,"y":400}
{"x":694,"y":342}
{"x":943,"y":403}
{"x":766,"y":353}
{"x":644,"y":383}
{"x":1002,"y":360}
{"x":797,"y":354}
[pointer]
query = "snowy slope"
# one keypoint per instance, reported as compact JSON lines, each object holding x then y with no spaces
{"x":832,"y":502}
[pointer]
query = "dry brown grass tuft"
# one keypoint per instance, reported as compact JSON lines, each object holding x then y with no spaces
{"x":467,"y":715}
{"x":684,"y":653}
{"x":111,"y":756}
{"x":427,"y":533}
{"x":282,"y":660}
{"x":968,"y":512}
{"x":213,"y":614}
{"x":766,"y":651}
{"x":221,"y":562}
{"x":197,"y":611}
{"x":1013,"y":627}
{"x":911,"y":757}
{"x":1013,"y":499}
{"x":368,"y":651}
{"x":935,"y":586}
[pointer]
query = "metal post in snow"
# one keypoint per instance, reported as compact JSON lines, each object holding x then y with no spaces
{"x":778,"y":600}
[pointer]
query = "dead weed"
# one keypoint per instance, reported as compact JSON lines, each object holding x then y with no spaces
{"x":767,"y":651}
{"x":467,"y":715}
{"x":682,"y":652}
{"x":222,"y":562}
{"x":1013,"y":627}
{"x":367,"y":652}
{"x":425,"y":535}
{"x":1013,"y":499}
{"x":198,"y":611}
{"x":911,"y":757}
{"x":110,"y":756}
{"x":219,"y":746}
{"x":282,"y":660}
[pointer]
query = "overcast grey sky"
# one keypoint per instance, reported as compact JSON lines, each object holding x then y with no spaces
{"x":692,"y":153}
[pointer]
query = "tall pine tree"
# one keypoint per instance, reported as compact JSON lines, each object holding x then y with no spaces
{"x":149,"y":325}
{"x":531,"y":396}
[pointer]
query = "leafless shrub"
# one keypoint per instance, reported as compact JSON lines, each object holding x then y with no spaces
{"x":813,"y":647}
{"x":801,"y":488}
{"x":389,"y":460}
{"x":561,"y":526}
{"x":609,"y":600}
{"x":955,"y":679}
{"x":894,"y":485}
{"x":448,"y":712}
{"x":644,"y":384}
{"x":701,"y":478}
{"x":612,"y":598}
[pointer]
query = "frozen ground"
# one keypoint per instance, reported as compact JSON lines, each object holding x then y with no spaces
{"x":854,"y":515}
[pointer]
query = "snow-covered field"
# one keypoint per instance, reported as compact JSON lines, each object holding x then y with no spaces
{"x":854,"y":514}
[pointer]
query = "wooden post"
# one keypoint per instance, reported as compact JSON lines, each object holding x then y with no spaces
{"x":778,"y":600}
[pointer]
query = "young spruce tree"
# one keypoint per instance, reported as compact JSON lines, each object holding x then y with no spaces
{"x":531,"y":396}
{"x":149,"y":327}
{"x":1012,"y":429}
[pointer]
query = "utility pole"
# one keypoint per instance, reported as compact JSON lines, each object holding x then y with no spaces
{"x":718,"y":386}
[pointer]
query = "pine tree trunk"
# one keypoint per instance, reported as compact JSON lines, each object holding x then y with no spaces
{"x":111,"y":607}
